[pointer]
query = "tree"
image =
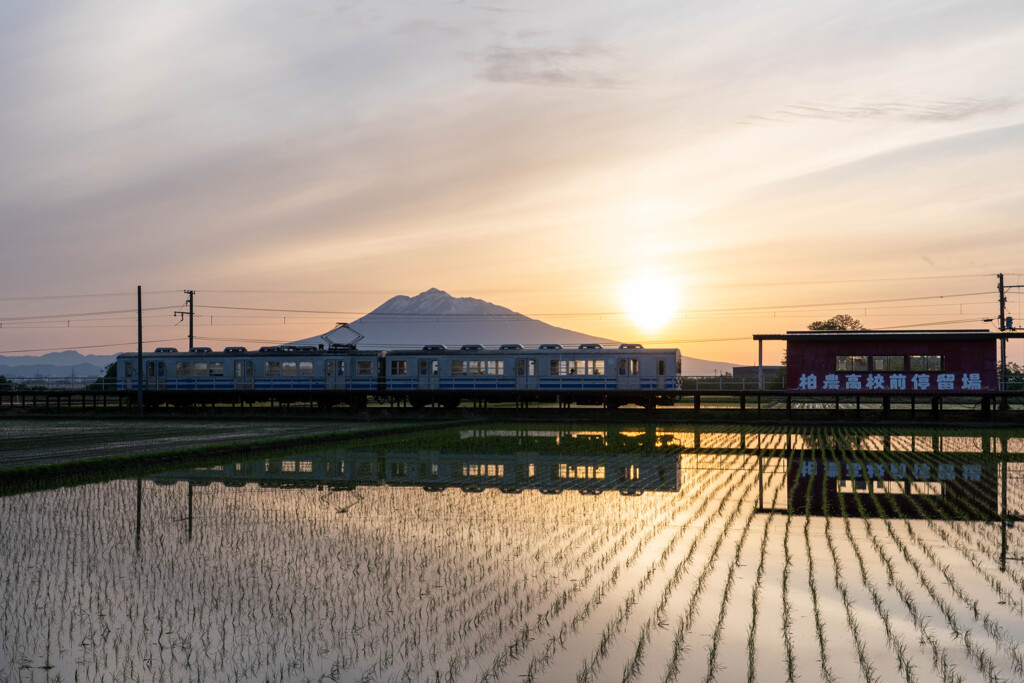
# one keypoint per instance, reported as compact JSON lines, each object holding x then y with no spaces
{"x":107,"y":382}
{"x":837,"y":322}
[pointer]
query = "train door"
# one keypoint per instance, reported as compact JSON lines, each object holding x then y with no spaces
{"x":526,"y":374}
{"x":156,"y":375}
{"x":429,"y":371}
{"x":335,"y":375}
{"x":627,"y":372}
{"x":243,"y":374}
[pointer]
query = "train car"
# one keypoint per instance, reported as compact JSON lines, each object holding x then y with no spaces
{"x":283,"y":373}
{"x":588,"y":374}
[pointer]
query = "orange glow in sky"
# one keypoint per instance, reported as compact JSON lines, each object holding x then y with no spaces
{"x":666,"y":173}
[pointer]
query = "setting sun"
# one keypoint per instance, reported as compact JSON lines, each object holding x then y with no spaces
{"x":651,"y":300}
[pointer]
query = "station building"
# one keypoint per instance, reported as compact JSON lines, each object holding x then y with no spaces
{"x":926,"y":362}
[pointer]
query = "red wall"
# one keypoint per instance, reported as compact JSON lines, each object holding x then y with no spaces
{"x":818,"y":358}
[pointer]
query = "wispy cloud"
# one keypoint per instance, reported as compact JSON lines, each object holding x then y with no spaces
{"x":952,"y":109}
{"x":581,"y":66}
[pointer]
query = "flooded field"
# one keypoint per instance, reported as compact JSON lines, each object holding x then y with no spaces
{"x":535,"y":553}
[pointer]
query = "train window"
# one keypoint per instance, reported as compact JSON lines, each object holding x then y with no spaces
{"x":200,"y":369}
{"x":629,"y":366}
{"x":851,"y":363}
{"x":890,"y":363}
{"x":150,"y":370}
{"x":458,"y":367}
{"x":526,"y":367}
{"x":577,"y":367}
{"x":273,"y":368}
{"x":364,"y":367}
{"x":399,"y":469}
{"x":287,"y":465}
{"x":661,"y":367}
{"x":183,"y":369}
{"x":216,"y":368}
{"x":926,"y":363}
{"x":399,"y":367}
{"x":339,"y":367}
{"x":435,"y":368}
{"x":306,"y":368}
{"x":330,"y":368}
{"x":289,"y":368}
{"x":305,"y":466}
{"x":486,"y":367}
{"x":129,"y":371}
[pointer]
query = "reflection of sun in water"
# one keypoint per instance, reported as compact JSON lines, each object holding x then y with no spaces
{"x":651,"y":300}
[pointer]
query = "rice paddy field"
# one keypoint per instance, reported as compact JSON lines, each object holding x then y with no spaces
{"x":535,"y":553}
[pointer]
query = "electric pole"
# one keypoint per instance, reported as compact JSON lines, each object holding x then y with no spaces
{"x":191,"y":316}
{"x":1006,"y":324}
{"x":1002,"y":328}
{"x":140,"y":376}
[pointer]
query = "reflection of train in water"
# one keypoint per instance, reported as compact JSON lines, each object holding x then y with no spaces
{"x":439,"y":470}
{"x":589,"y":374}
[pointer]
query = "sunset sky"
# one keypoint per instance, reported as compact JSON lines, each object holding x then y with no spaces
{"x":770,"y":163}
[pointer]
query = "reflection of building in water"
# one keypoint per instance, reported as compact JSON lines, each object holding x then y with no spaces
{"x":949,"y":485}
{"x":629,"y":474}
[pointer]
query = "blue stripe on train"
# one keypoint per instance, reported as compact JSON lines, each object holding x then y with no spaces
{"x":477,"y":384}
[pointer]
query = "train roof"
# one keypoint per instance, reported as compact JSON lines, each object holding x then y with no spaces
{"x":429,"y":349}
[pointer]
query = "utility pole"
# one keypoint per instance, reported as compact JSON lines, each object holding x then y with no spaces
{"x":1002,"y":328}
{"x":141,"y":378}
{"x":191,"y":317}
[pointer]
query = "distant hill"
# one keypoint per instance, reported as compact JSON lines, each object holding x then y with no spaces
{"x":436,"y":317}
{"x":58,"y":364}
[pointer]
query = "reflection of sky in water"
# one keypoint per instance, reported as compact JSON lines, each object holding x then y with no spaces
{"x":286,"y":579}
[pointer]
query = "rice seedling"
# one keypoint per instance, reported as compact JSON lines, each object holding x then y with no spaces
{"x":397,"y":583}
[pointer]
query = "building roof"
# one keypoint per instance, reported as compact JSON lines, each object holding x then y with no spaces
{"x":889,"y":335}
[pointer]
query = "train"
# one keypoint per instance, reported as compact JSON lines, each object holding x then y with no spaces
{"x":434,"y":375}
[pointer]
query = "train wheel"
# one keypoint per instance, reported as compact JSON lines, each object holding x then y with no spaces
{"x":451,"y":403}
{"x":417,"y":402}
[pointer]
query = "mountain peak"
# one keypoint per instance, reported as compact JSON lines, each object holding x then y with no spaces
{"x":435,"y":302}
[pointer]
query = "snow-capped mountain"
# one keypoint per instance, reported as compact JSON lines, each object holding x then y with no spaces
{"x":436,"y":317}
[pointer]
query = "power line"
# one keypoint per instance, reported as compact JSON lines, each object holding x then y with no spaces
{"x":75,"y":296}
{"x":76,"y":348}
{"x":65,"y":316}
